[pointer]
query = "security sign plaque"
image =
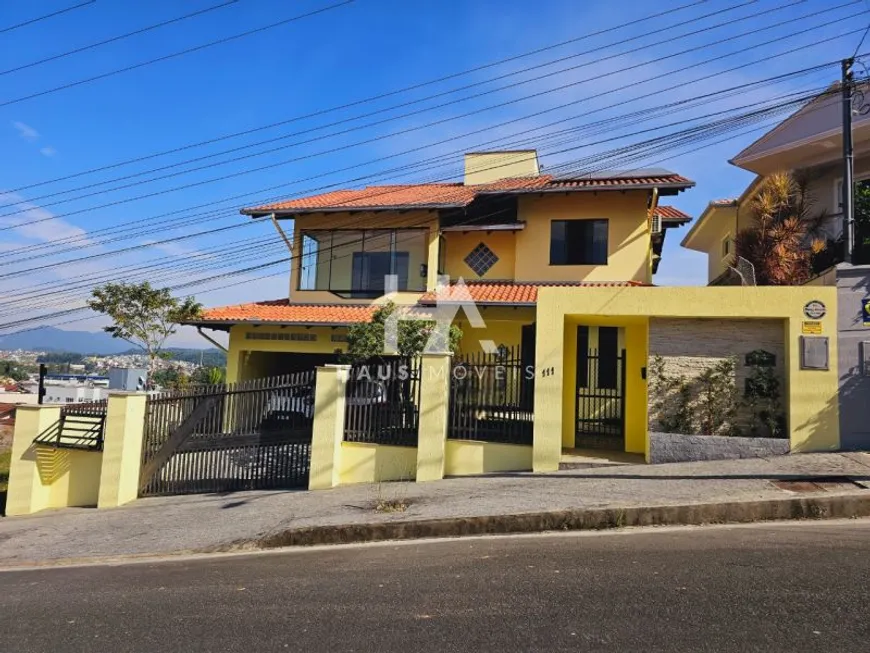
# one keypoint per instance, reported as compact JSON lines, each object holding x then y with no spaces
{"x":815,"y":310}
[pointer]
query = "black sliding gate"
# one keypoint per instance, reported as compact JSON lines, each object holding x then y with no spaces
{"x":252,"y":435}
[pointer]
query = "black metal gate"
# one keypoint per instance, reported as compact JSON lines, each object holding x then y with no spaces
{"x":600,"y":407}
{"x":252,"y":435}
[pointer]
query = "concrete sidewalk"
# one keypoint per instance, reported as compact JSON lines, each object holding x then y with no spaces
{"x":198,"y":523}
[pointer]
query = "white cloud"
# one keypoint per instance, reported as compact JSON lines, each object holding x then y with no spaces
{"x":48,"y":151}
{"x":26,"y":132}
{"x":35,"y":223}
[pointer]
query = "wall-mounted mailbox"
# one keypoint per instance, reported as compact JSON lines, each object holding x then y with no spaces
{"x":814,"y":353}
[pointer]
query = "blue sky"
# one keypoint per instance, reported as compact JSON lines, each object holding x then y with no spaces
{"x":345,"y":54}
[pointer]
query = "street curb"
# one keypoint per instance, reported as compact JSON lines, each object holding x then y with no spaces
{"x":737,"y":512}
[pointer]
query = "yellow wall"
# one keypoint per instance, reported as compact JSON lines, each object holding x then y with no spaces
{"x":469,"y":457}
{"x":628,"y":236}
{"x":504,"y":326}
{"x":811,"y":396}
{"x":458,"y":245}
{"x":634,"y":339}
{"x":241,"y":367}
{"x":372,"y":463}
{"x":486,"y":167}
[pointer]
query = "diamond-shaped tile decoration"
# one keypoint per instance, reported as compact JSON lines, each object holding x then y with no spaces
{"x":481,"y":259}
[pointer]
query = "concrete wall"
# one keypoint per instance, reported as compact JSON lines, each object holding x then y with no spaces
{"x":373,"y":463}
{"x":810,"y":395}
{"x":676,"y":448}
{"x":469,"y":458}
{"x":853,"y":284}
{"x":691,"y":346}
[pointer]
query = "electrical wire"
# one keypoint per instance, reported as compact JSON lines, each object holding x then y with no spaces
{"x":173,"y":55}
{"x":367,"y":100}
{"x":572,"y":84}
{"x":114,"y":39}
{"x":3,"y":30}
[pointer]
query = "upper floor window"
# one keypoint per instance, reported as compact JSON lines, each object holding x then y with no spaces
{"x":726,"y":246}
{"x":357,"y":263}
{"x":578,"y":242}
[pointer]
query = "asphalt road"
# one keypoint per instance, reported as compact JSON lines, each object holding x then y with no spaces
{"x":793,"y":587}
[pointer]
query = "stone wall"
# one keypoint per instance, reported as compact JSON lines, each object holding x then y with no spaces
{"x":674,"y":448}
{"x":690,"y":346}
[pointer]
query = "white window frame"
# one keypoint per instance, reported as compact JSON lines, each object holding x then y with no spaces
{"x":725,"y":246}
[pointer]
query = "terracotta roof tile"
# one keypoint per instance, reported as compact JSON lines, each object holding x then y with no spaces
{"x":513,"y":292}
{"x":456,"y":195}
{"x":281,"y":311}
{"x":672,"y":213}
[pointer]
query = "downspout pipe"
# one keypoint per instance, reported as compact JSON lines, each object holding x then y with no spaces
{"x":283,"y":235}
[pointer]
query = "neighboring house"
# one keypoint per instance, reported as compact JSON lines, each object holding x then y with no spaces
{"x":809,"y":144}
{"x":559,"y":268}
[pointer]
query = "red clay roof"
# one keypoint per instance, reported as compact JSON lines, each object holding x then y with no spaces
{"x":672,"y":213}
{"x":281,"y":311}
{"x":513,"y":292}
{"x":435,"y":196}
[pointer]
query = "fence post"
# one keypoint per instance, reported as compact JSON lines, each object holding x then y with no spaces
{"x":435,"y":372}
{"x":328,"y":427}
{"x":122,"y":449}
{"x":27,"y":493}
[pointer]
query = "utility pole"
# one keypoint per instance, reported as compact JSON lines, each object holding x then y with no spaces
{"x":848,"y":163}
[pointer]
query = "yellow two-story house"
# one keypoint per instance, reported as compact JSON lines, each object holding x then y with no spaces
{"x":559,"y":268}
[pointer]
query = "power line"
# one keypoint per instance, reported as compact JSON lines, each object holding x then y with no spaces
{"x":693,"y":148}
{"x":688,"y":136}
{"x":114,"y":39}
{"x":391,"y":108}
{"x":3,"y":30}
{"x":564,"y":136}
{"x":409,"y":103}
{"x":439,"y":122}
{"x":180,"y":53}
{"x":398,"y":171}
{"x":365,"y":100}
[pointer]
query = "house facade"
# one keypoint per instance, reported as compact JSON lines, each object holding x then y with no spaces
{"x":808,"y":144}
{"x":559,"y":270}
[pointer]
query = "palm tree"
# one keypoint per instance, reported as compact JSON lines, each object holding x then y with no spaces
{"x":782,"y":240}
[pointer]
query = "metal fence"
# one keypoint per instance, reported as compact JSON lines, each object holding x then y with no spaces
{"x":227,"y":437}
{"x":383,"y":401}
{"x":81,"y":426}
{"x":492,"y":398}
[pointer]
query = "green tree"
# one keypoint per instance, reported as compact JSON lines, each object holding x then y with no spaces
{"x":209,"y":375}
{"x":781,"y":241}
{"x":143,"y":316}
{"x":11,"y":370}
{"x":365,"y":340}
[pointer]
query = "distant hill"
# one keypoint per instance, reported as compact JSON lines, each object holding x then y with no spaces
{"x":210,"y":357}
{"x":52,"y":339}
